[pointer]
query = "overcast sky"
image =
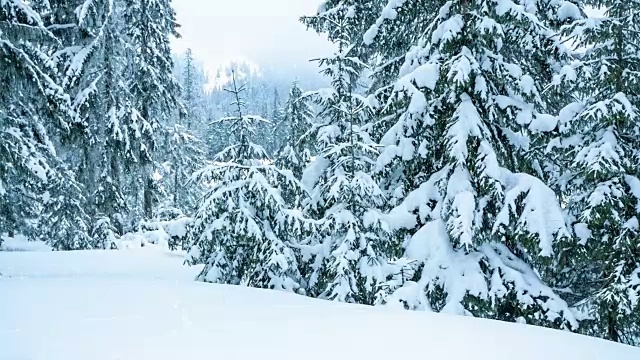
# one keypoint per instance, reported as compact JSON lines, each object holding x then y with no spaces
{"x":263,"y":31}
{"x":266,"y":32}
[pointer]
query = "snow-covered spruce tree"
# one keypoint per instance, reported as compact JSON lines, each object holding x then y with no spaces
{"x":602,"y":134}
{"x":193,"y":83}
{"x":185,"y":155}
{"x":349,"y":251}
{"x":298,"y":146}
{"x":24,"y":154}
{"x":149,"y":24}
{"x":31,"y":106}
{"x":481,"y":231}
{"x":549,"y":166}
{"x":64,"y":224}
{"x":93,"y":71}
{"x":406,"y":159}
{"x":362,"y":14}
{"x":80,"y":27}
{"x":242,"y":231}
{"x":216,"y":136}
{"x":182,"y":151}
{"x":118,"y":135}
{"x":277,"y":132}
{"x":401,"y":24}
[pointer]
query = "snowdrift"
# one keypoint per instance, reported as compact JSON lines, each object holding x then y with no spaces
{"x":143,"y":304}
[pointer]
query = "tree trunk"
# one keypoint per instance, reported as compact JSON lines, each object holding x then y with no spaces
{"x":114,"y":169}
{"x":176,"y":183}
{"x":612,"y":325}
{"x":90,"y":179}
{"x":148,"y":198}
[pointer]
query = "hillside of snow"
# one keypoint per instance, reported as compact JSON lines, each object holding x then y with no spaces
{"x":143,"y":304}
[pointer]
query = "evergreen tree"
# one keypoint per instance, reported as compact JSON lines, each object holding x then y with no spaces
{"x":550,"y":167}
{"x":279,"y":131}
{"x":181,"y":152}
{"x":350,"y":248}
{"x":121,"y":129}
{"x":94,"y":65}
{"x":298,"y":146}
{"x":362,"y":15}
{"x":190,"y":89}
{"x":481,"y":229}
{"x":392,"y":31}
{"x":182,"y":149}
{"x":193,"y":78}
{"x":31,"y":173}
{"x":601,"y":135}
{"x":81,"y":26}
{"x":186,"y":155}
{"x":153,"y":87}
{"x":217,"y":136}
{"x":242,"y":231}
{"x":64,"y":223}
{"x":20,"y":128}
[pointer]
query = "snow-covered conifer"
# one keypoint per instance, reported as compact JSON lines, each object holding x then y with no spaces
{"x":149,"y":24}
{"x":241,"y":230}
{"x":349,"y":251}
{"x":193,"y":83}
{"x":185,"y":153}
{"x":276,"y":133}
{"x":63,"y":222}
{"x":481,"y":230}
{"x":32,"y":104}
{"x":298,"y":146}
{"x":601,"y":135}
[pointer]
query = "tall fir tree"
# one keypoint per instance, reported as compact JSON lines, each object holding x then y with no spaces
{"x":277,"y":131}
{"x":298,"y":147}
{"x":242,"y":231}
{"x":350,"y":249}
{"x":194,"y":79}
{"x":80,"y":25}
{"x":183,"y":151}
{"x":35,"y":185}
{"x":118,"y":132}
{"x":395,"y":30}
{"x":92,"y":71}
{"x":481,"y":230}
{"x":185,"y":154}
{"x":190,"y":89}
{"x":155,"y":91}
{"x":600,"y":134}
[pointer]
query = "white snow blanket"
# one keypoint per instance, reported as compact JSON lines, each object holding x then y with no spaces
{"x":143,"y":304}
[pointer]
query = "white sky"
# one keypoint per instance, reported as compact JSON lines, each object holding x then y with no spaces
{"x":262,"y":31}
{"x":266,"y":32}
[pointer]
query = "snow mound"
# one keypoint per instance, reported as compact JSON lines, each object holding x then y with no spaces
{"x":21,"y":243}
{"x":141,"y":304}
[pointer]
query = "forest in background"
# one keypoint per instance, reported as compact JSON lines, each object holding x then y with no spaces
{"x":473,"y":157}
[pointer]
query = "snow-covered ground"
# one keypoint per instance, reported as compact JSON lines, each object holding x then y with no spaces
{"x":143,"y":304}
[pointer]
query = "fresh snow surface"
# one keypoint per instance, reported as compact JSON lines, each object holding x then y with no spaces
{"x":143,"y":304}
